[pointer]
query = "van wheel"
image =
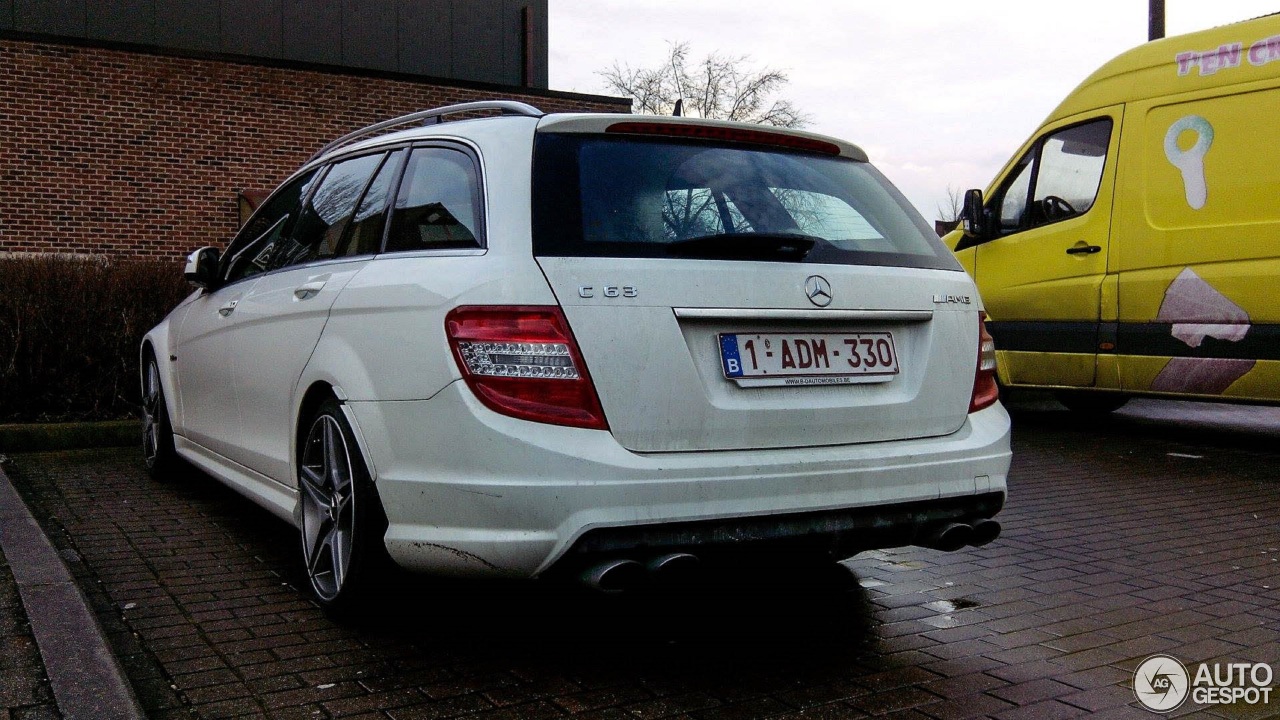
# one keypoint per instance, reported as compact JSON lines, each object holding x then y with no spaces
{"x":341,"y":519}
{"x":158,"y":452}
{"x":1092,"y":403}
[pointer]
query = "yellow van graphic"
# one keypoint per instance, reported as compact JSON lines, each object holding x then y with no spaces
{"x":1132,"y":245}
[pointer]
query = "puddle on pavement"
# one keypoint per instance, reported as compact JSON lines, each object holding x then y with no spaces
{"x":947,"y":606}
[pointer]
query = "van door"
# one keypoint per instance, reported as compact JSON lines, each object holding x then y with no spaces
{"x":1201,"y":254}
{"x":1041,"y":274}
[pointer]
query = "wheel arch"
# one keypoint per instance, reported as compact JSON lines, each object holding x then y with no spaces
{"x":156,"y":344}
{"x":314,"y":395}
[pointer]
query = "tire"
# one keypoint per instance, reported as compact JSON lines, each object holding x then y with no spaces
{"x":158,"y":453}
{"x":340,"y":521}
{"x":1091,"y":403}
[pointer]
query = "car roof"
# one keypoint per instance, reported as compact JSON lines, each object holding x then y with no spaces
{"x":528,"y":118}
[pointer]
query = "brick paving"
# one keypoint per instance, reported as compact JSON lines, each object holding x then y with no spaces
{"x":24,"y":689}
{"x":1124,"y":536}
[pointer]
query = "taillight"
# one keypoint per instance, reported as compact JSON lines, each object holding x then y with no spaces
{"x":522,"y":361}
{"x":985,"y":389}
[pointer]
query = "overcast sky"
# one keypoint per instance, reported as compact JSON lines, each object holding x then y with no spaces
{"x":938,"y":93}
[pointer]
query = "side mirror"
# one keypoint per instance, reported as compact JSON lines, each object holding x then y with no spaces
{"x":973,"y":215}
{"x":202,"y":268}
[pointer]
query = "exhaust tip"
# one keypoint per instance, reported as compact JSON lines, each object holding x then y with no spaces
{"x":673,"y":566}
{"x":614,"y":576}
{"x":984,"y":531}
{"x":950,"y":537}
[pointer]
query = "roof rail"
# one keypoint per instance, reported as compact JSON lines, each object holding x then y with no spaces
{"x":507,"y":107}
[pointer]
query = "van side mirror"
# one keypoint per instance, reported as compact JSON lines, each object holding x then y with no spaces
{"x":973,"y":215}
{"x":202,"y":268}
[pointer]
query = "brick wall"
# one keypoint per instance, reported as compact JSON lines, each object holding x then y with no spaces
{"x":109,"y":152}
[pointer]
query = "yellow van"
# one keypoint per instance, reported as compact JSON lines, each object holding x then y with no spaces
{"x":1132,"y":245}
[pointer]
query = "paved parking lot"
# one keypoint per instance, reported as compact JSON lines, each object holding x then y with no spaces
{"x":1154,"y":530}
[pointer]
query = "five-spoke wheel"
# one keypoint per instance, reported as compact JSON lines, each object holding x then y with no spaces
{"x":157,"y":434}
{"x":340,"y":519}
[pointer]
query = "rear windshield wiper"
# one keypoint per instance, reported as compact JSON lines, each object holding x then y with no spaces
{"x":783,"y":247}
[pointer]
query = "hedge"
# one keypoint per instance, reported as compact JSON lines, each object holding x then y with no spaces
{"x":69,"y":334}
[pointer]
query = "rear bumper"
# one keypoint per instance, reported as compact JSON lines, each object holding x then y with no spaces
{"x":468,"y":491}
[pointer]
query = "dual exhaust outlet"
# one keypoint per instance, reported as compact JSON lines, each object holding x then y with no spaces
{"x":619,"y":574}
{"x":953,"y":536}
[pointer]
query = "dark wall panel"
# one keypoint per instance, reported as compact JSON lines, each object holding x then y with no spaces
{"x":187,"y":25}
{"x":55,"y":17}
{"x":313,"y":31}
{"x":541,"y":43}
{"x":477,"y":50}
{"x":369,"y":33}
{"x":251,"y":27}
{"x":511,"y":22}
{"x":425,"y":37}
{"x":131,"y":21}
{"x":475,"y":40}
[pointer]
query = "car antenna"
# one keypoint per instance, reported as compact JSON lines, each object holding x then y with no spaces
{"x":679,"y":107}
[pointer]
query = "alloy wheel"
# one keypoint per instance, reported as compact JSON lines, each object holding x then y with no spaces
{"x":151,"y":399}
{"x":328,"y":507}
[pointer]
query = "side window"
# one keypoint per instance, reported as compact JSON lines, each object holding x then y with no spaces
{"x":1013,"y":205}
{"x":326,"y":214}
{"x":1058,"y":179}
{"x":249,"y":253}
{"x":364,"y":234}
{"x":438,"y":205}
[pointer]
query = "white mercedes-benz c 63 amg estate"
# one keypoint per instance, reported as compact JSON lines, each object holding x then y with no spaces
{"x":586,"y":345}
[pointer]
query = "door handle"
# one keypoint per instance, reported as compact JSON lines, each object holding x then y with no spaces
{"x":308,"y":290}
{"x":229,"y":308}
{"x":1084,"y":250}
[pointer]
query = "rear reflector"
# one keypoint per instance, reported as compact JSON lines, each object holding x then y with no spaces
{"x":985,"y":389}
{"x":730,"y":134}
{"x":522,"y":361}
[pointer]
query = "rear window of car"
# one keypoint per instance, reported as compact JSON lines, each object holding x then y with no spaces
{"x":612,"y":196}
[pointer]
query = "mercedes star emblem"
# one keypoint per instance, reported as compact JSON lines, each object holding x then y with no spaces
{"x":818,"y":290}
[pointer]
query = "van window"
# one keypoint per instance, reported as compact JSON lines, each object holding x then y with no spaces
{"x":619,"y":196}
{"x":1057,"y":179}
{"x":439,"y":202}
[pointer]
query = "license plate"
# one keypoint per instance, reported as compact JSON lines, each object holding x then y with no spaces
{"x":752,"y":359}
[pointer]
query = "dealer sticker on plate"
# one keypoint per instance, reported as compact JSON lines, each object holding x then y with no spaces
{"x":808,"y":358}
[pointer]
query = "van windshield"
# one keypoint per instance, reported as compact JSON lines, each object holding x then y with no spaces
{"x":614,"y":196}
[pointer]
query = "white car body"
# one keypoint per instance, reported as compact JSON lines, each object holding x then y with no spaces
{"x":689,"y":456}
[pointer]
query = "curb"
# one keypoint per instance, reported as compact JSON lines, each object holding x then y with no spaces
{"x":40,"y":437}
{"x":85,"y":675}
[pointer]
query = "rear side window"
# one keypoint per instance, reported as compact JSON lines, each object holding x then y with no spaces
{"x":438,"y":205}
{"x":327,"y":212}
{"x":602,"y":195}
{"x":364,"y":235}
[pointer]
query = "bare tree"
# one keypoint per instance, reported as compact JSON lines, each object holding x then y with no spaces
{"x":950,"y":212}
{"x":718,"y":86}
{"x":951,"y":209}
